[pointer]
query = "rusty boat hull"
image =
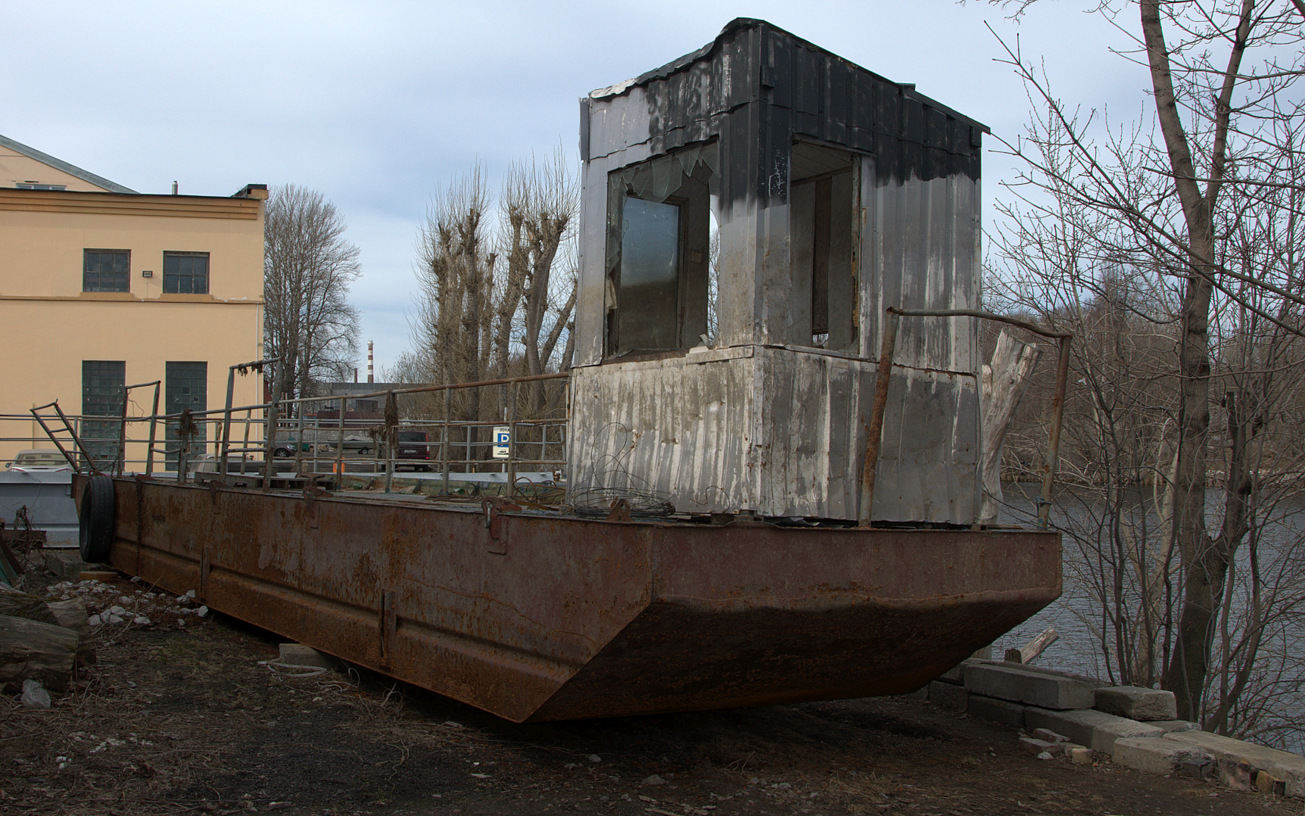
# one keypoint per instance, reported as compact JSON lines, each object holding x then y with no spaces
{"x":535,"y":616}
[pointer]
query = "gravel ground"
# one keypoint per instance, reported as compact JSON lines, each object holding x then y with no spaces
{"x":189,"y":713}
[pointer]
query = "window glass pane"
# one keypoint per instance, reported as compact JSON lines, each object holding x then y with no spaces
{"x":102,"y":387}
{"x":106,"y":270}
{"x":649,"y":277}
{"x":185,"y":388}
{"x":185,"y":273}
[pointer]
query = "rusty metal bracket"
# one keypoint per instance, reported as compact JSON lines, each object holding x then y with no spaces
{"x":493,"y":508}
{"x":311,"y":511}
{"x":389,"y":621}
{"x":620,"y":511}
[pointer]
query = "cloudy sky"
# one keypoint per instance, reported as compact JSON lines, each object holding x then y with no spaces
{"x":379,"y":105}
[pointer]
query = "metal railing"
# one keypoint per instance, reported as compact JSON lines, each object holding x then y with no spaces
{"x":313,"y":437}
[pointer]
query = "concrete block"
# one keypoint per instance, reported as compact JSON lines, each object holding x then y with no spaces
{"x":1095,"y":729}
{"x":1136,"y":703}
{"x":956,"y":674}
{"x":1049,"y":735}
{"x":297,"y":654}
{"x":1231,"y":753}
{"x":1157,"y":756}
{"x":1002,"y":712}
{"x":1031,"y":745}
{"x":948,"y":696}
{"x":67,"y":564}
{"x":1036,"y":687}
{"x":1170,"y":726}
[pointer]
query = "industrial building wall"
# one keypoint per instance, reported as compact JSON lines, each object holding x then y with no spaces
{"x":50,"y":326}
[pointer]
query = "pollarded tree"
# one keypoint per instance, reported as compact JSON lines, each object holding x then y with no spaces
{"x":308,"y":267}
{"x":497,"y":303}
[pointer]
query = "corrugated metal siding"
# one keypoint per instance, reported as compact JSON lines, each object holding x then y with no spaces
{"x":775,"y":431}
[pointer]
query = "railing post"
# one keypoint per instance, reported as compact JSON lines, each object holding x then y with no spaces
{"x":444,"y":439}
{"x":122,"y":434}
{"x":154,"y":432}
{"x":339,"y":446}
{"x":512,"y":441}
{"x":223,"y":455}
{"x":269,"y":436}
{"x":874,"y":435}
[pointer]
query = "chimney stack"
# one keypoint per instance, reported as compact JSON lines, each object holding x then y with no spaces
{"x":370,"y":378}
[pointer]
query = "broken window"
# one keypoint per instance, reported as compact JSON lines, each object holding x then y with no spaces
{"x":658,"y":252}
{"x":822,"y":223}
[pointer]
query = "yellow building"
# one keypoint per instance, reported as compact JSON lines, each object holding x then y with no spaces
{"x":102,"y":287}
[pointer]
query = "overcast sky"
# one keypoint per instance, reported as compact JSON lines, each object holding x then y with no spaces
{"x":380,"y":105}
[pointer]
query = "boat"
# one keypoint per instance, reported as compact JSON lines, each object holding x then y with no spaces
{"x":779,"y":505}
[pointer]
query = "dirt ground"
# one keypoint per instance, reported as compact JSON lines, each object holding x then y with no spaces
{"x":190,"y":718}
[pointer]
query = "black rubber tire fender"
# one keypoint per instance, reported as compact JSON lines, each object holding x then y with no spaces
{"x":96,"y":516}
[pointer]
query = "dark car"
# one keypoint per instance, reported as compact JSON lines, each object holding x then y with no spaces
{"x":413,"y":448}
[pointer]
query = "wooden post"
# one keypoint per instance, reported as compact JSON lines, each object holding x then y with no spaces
{"x":1004,"y":383}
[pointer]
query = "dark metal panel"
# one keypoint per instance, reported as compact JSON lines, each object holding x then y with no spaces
{"x":584,"y":129}
{"x":838,"y":81}
{"x":777,"y":71}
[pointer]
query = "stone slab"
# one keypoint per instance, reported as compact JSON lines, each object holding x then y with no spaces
{"x":956,"y":674}
{"x":297,"y":654}
{"x":1157,"y":756}
{"x":949,"y":696}
{"x":1058,"y":691}
{"x":1095,"y":729}
{"x":1170,"y":726}
{"x":1137,"y":703}
{"x":1032,"y":745}
{"x":1284,"y":766}
{"x":1002,"y":712}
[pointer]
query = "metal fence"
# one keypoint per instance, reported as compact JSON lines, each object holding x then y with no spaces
{"x":311,"y":437}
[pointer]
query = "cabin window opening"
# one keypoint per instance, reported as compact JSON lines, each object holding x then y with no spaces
{"x":658,"y":253}
{"x":650,"y":274}
{"x":822,"y":224}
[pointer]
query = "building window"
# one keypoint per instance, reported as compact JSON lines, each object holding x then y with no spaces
{"x":103,"y":382}
{"x":658,"y":249}
{"x":106,"y":270}
{"x":185,"y":273}
{"x":185,"y":389}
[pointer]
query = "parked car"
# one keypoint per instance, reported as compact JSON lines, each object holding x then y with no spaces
{"x":413,"y":448}
{"x":39,"y":461}
{"x":322,"y":441}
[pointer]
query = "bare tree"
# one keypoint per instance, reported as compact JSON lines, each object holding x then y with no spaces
{"x":494,"y":303}
{"x":1174,"y":209}
{"x":308,"y":267}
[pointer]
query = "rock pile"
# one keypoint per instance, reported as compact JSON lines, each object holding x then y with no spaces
{"x":45,"y":638}
{"x":110,"y":606}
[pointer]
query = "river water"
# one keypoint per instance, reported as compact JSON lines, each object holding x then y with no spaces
{"x":1076,"y":616}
